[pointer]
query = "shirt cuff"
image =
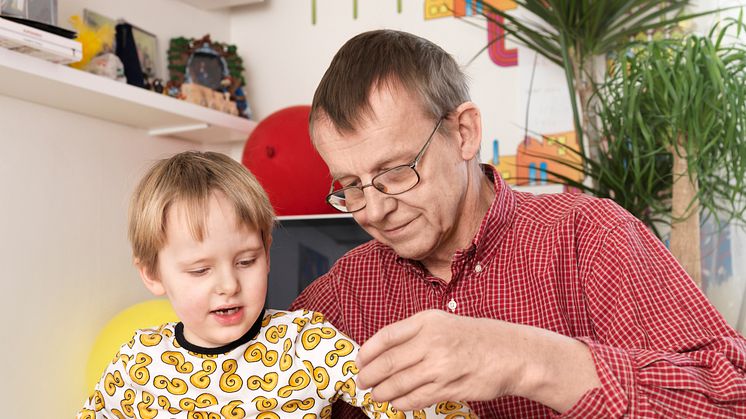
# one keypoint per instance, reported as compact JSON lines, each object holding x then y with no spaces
{"x":616,"y":372}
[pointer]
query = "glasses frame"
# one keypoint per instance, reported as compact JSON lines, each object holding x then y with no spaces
{"x":412,"y":165}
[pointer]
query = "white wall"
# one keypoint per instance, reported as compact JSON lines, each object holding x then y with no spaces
{"x":65,"y":181}
{"x":65,"y":178}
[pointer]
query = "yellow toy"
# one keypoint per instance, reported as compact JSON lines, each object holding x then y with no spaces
{"x":94,"y":40}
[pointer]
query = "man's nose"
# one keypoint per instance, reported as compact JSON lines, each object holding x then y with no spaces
{"x":377,"y":204}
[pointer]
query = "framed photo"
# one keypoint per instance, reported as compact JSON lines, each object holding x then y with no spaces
{"x":96,"y":20}
{"x":13,"y":8}
{"x":147,"y":51}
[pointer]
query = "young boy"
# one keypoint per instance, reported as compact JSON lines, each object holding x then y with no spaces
{"x":200,"y":227}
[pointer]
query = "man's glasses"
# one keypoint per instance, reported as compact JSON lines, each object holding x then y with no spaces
{"x":394,"y":181}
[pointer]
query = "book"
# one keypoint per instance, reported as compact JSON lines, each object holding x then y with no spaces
{"x":38,"y":43}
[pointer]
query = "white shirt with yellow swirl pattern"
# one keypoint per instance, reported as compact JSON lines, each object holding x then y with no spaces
{"x":296,"y":366}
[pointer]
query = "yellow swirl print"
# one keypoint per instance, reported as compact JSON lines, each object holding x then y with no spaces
{"x":349,"y":367}
{"x":319,"y":374}
{"x":124,"y":358}
{"x":312,"y":337}
{"x":87,"y":414}
{"x":202,"y":401}
{"x":139,"y":372}
{"x":326,"y":412}
{"x":419,"y":414}
{"x":233,"y":411}
{"x":165,"y":404}
{"x":267,"y":384}
{"x":309,"y":416}
{"x":117,"y":413}
{"x":127,"y":401}
{"x":275,"y":333}
{"x":286,"y":361}
{"x":202,"y":415}
{"x":300,"y":322}
{"x":98,"y":400}
{"x":258,"y":352}
{"x":201,"y":379}
{"x":143,"y":408}
{"x":298,"y":381}
{"x":269,"y":317}
{"x":343,"y":348}
{"x":230,"y":382}
{"x":264,"y":404}
{"x":175,"y":386}
{"x":131,"y":343}
{"x":317,"y":318}
{"x":293,"y":405}
{"x":267,"y":415}
{"x":346,"y":387}
{"x":112,"y":381}
{"x":150,"y":339}
{"x":177,"y":360}
{"x":447,"y":407}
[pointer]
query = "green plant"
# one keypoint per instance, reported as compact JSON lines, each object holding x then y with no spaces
{"x":673,"y":123}
{"x":578,"y":34}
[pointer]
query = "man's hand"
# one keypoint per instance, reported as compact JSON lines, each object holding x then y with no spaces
{"x":435,"y":356}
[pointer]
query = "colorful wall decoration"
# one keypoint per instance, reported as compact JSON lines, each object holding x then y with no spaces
{"x":498,"y":52}
{"x":535,"y":158}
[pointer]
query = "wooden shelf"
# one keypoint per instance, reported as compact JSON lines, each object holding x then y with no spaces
{"x":218,"y":4}
{"x":35,"y":80}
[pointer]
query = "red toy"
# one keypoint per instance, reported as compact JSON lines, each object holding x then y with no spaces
{"x":280,"y":154}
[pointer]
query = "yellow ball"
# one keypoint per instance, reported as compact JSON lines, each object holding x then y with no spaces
{"x":120,"y":330}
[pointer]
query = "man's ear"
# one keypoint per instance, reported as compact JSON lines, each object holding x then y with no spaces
{"x":469,"y":126}
{"x":150,"y":279}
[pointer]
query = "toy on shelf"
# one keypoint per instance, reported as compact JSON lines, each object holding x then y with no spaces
{"x":205,"y":64}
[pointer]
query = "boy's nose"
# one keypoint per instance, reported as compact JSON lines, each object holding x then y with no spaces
{"x":227,"y":283}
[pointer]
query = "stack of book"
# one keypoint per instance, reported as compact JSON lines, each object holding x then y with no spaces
{"x":39,"y":43}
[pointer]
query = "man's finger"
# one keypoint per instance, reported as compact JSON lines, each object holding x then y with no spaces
{"x":388,"y":337}
{"x":421,"y":397}
{"x":401,"y":384}
{"x":388,"y":363}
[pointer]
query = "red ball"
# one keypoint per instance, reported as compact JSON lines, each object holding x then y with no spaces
{"x":280,"y":154}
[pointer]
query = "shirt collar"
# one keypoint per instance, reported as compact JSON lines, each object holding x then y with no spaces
{"x":249,"y":335}
{"x":497,"y":220}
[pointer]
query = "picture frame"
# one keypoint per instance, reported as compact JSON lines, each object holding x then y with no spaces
{"x":147,"y":51}
{"x":96,"y":20}
{"x":15,"y":8}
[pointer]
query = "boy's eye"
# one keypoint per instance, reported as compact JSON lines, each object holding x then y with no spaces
{"x":246,"y":262}
{"x":198,"y":272}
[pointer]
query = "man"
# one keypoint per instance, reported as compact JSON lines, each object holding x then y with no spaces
{"x":528,"y":306}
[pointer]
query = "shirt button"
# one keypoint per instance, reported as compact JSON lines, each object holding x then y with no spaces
{"x":452,"y":305}
{"x":478,"y":268}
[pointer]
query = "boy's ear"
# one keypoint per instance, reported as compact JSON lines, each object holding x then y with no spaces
{"x":151,"y":281}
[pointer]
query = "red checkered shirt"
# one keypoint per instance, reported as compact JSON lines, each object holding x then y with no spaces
{"x":576,"y":265}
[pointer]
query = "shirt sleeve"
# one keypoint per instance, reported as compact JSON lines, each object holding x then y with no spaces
{"x":659,"y":347}
{"x":321,"y":297}
{"x":112,"y":396}
{"x":329,"y":357}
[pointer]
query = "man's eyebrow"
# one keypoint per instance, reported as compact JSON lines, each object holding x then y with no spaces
{"x":380,"y":166}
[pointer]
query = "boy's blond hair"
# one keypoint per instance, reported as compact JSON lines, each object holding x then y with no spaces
{"x":189,"y":179}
